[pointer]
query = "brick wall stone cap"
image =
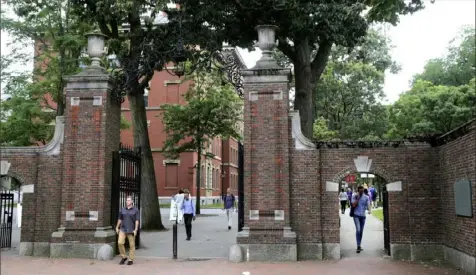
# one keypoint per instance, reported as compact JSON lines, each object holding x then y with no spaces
{"x":268,"y":71}
{"x":52,"y":148}
{"x":300,"y":141}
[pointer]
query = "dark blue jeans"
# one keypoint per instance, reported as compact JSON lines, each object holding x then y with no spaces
{"x":359,"y":228}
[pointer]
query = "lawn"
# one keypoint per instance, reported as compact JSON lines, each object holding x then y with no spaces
{"x":205,"y":206}
{"x":378,"y":213}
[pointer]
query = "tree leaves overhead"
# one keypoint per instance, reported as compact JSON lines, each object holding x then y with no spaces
{"x":23,"y":120}
{"x":350,"y":92}
{"x":443,"y":96}
{"x":306,"y":32}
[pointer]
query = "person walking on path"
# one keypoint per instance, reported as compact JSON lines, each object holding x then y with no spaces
{"x":349,"y":196}
{"x":188,"y":213}
{"x":229,"y":206}
{"x":361,"y":203}
{"x":373,"y":193}
{"x":343,"y":200}
{"x":127,"y":227}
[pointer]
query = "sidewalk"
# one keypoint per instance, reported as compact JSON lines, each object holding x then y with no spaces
{"x":15,"y":265}
{"x":372,"y":240}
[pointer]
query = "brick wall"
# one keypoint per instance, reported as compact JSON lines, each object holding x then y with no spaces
{"x":458,"y":161}
{"x":427,"y":174}
{"x":40,"y":166}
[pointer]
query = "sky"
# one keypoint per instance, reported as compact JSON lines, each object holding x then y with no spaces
{"x":416,"y":39}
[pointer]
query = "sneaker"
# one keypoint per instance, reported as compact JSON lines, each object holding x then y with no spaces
{"x":123,"y":260}
{"x":130,"y":262}
{"x":229,"y":227}
{"x":359,"y":249}
{"x":188,"y":239}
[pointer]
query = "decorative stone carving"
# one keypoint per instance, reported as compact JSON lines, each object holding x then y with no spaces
{"x":300,"y":141}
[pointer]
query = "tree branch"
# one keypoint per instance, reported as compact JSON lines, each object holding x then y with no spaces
{"x":104,"y":28}
{"x":145,"y":81}
{"x":287,"y":49}
{"x":320,"y":61}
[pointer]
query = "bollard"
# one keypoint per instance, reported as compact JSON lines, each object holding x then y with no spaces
{"x":174,"y":240}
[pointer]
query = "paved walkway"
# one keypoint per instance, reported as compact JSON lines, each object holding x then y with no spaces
{"x":372,"y":240}
{"x":210,"y":237}
{"x":15,"y":265}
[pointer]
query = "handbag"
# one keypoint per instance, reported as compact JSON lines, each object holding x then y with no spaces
{"x":352,"y":208}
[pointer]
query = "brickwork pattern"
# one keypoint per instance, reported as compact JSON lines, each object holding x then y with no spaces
{"x":40,"y":213}
{"x":458,"y":161}
{"x":266,"y":157}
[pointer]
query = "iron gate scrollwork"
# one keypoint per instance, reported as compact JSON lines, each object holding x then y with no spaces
{"x":386,"y":223}
{"x":6,"y":219}
{"x":241,"y":188}
{"x":126,"y":181}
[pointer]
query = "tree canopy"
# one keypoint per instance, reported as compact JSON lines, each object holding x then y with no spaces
{"x":307,"y":30}
{"x":443,"y":96}
{"x":349,"y":94}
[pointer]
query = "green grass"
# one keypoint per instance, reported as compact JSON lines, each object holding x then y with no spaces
{"x":378,"y":213}
{"x":207,"y":206}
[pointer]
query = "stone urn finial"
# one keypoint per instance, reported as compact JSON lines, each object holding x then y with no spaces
{"x":266,"y":42}
{"x":96,"y":47}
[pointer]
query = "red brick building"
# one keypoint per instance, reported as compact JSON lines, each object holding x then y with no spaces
{"x":219,"y":162}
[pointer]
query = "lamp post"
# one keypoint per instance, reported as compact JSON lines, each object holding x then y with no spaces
{"x":175,"y":231}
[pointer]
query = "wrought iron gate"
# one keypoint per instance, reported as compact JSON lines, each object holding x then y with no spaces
{"x":386,"y":223}
{"x":126,"y":181}
{"x":241,"y":187}
{"x":6,"y":219}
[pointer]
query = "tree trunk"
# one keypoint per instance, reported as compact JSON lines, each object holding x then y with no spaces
{"x":199,"y":175}
{"x":304,"y":89}
{"x":151,"y":218}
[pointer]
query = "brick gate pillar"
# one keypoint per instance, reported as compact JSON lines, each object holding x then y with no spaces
{"x":267,"y":234}
{"x":92,"y":133}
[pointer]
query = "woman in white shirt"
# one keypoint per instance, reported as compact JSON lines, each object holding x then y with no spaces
{"x":343,"y":200}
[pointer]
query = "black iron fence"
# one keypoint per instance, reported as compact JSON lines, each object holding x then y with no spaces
{"x":386,"y":223}
{"x":126,"y":182}
{"x":241,"y":187}
{"x":6,"y":219}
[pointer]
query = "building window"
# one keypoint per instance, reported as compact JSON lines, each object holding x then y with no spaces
{"x":202,"y":177}
{"x":171,"y":175}
{"x":209,"y":177}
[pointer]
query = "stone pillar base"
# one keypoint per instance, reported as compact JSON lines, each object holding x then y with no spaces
{"x":460,"y":259}
{"x":412,"y":252}
{"x":431,"y":252}
{"x":37,"y":249}
{"x":276,"y":251}
{"x":269,"y":252}
{"x":83,"y":244}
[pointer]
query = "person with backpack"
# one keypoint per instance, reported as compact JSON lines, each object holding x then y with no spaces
{"x":229,"y":206}
{"x":373,"y":193}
